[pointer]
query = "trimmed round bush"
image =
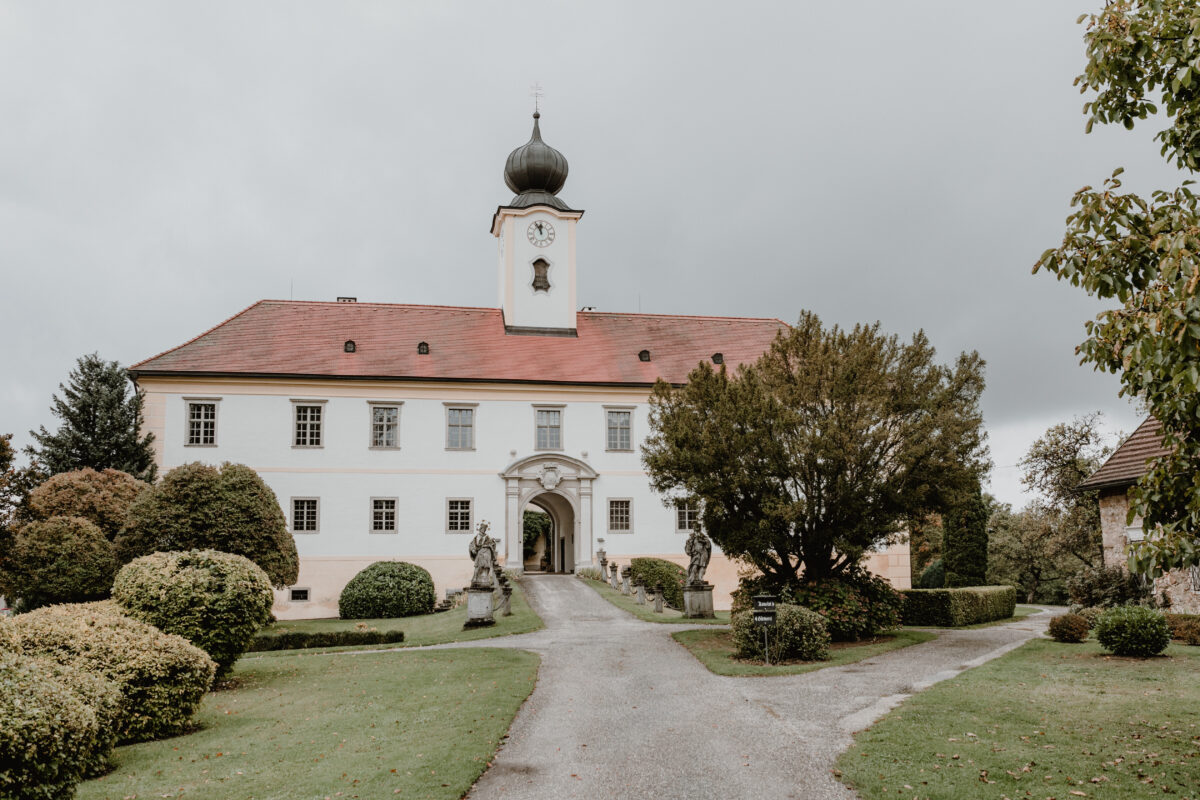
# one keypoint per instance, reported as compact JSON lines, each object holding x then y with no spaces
{"x":59,"y":560}
{"x":48,"y":733}
{"x":162,"y":677}
{"x":1133,"y":631}
{"x":933,"y":576}
{"x":387,"y":589}
{"x":217,"y":601}
{"x":103,"y":498}
{"x":855,"y":607}
{"x":198,"y":507}
{"x":799,"y":635}
{"x":650,"y":572}
{"x":1069,"y":628}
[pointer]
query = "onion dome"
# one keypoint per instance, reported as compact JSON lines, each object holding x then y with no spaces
{"x":536,"y":172}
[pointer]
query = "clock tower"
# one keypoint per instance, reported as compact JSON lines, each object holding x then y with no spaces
{"x":535,"y":235}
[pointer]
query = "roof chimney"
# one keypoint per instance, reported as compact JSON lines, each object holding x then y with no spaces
{"x":347,"y":299}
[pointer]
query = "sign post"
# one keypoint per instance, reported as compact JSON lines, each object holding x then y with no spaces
{"x":764,"y":616}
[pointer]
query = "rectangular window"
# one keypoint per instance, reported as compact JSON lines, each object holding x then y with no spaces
{"x":620,"y":426}
{"x":308,"y":425}
{"x":686,"y":516}
{"x":304,"y":515}
{"x":383,"y":515}
{"x":202,"y":424}
{"x":458,"y":515}
{"x":460,"y":428}
{"x":299,"y":595}
{"x":385,"y":426}
{"x":549,"y":429}
{"x":620,"y":516}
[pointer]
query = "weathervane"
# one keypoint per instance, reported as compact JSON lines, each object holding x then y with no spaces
{"x":535,"y":91}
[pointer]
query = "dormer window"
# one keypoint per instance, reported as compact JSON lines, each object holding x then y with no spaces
{"x":541,"y":280}
{"x":718,"y":358}
{"x":349,"y":346}
{"x":423,"y":349}
{"x":644,"y":355}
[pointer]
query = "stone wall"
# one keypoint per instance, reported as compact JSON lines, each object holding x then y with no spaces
{"x":1178,"y":585}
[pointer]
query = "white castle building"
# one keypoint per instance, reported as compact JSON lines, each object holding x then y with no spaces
{"x":389,"y":431}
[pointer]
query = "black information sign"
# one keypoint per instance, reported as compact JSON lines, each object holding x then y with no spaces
{"x":765,"y":602}
{"x":765,"y":618}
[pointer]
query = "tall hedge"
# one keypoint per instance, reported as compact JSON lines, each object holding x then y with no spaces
{"x":965,"y":543}
{"x":104,"y":497}
{"x":217,"y":601}
{"x":651,"y":572}
{"x":198,"y":507}
{"x":59,"y":560}
{"x":961,"y":606}
{"x":162,"y":678}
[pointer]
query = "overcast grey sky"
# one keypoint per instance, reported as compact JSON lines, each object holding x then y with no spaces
{"x":164,"y":165}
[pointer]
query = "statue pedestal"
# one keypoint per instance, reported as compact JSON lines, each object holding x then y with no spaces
{"x":658,"y":599}
{"x":641,"y":595}
{"x":479,"y":607}
{"x":697,"y":601}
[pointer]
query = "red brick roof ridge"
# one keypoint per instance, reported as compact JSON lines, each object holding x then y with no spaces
{"x":477,"y":348}
{"x":202,"y":334}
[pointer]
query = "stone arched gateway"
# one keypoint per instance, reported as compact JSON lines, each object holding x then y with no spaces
{"x":560,"y":483}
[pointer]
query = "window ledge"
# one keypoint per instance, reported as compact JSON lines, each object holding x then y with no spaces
{"x":308,"y":447}
{"x":199,"y":445}
{"x":383,"y":447}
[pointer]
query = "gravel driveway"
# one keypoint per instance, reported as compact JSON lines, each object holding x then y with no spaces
{"x":621,"y":710}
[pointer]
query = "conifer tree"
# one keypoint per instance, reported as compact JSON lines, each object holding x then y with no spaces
{"x":965,"y":550}
{"x":101,"y":424}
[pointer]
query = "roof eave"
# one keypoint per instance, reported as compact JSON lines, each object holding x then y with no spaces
{"x":167,"y":373}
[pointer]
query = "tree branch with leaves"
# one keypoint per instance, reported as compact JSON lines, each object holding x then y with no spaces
{"x":821,"y":450}
{"x":1145,"y":255}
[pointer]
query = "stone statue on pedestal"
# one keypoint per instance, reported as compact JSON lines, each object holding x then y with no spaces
{"x":699,"y":550}
{"x":483,"y":550}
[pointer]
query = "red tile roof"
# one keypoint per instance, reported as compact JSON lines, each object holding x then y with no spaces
{"x":1129,"y":461}
{"x":293,"y":338}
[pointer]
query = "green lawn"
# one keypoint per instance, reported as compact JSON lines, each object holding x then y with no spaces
{"x":423,"y":630}
{"x":369,"y":725}
{"x":1047,"y":720}
{"x":714,"y":649}
{"x":646,"y":612}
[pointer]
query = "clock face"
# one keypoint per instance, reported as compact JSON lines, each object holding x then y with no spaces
{"x":540,"y":233}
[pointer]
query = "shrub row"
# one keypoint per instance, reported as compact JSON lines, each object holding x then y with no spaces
{"x":300,"y":640}
{"x":653,"y":571}
{"x":76,"y":679}
{"x":162,"y":678}
{"x":948,"y":608}
{"x":55,"y":727}
{"x":1184,"y":627}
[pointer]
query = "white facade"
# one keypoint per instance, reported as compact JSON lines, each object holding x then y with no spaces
{"x":501,"y":475}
